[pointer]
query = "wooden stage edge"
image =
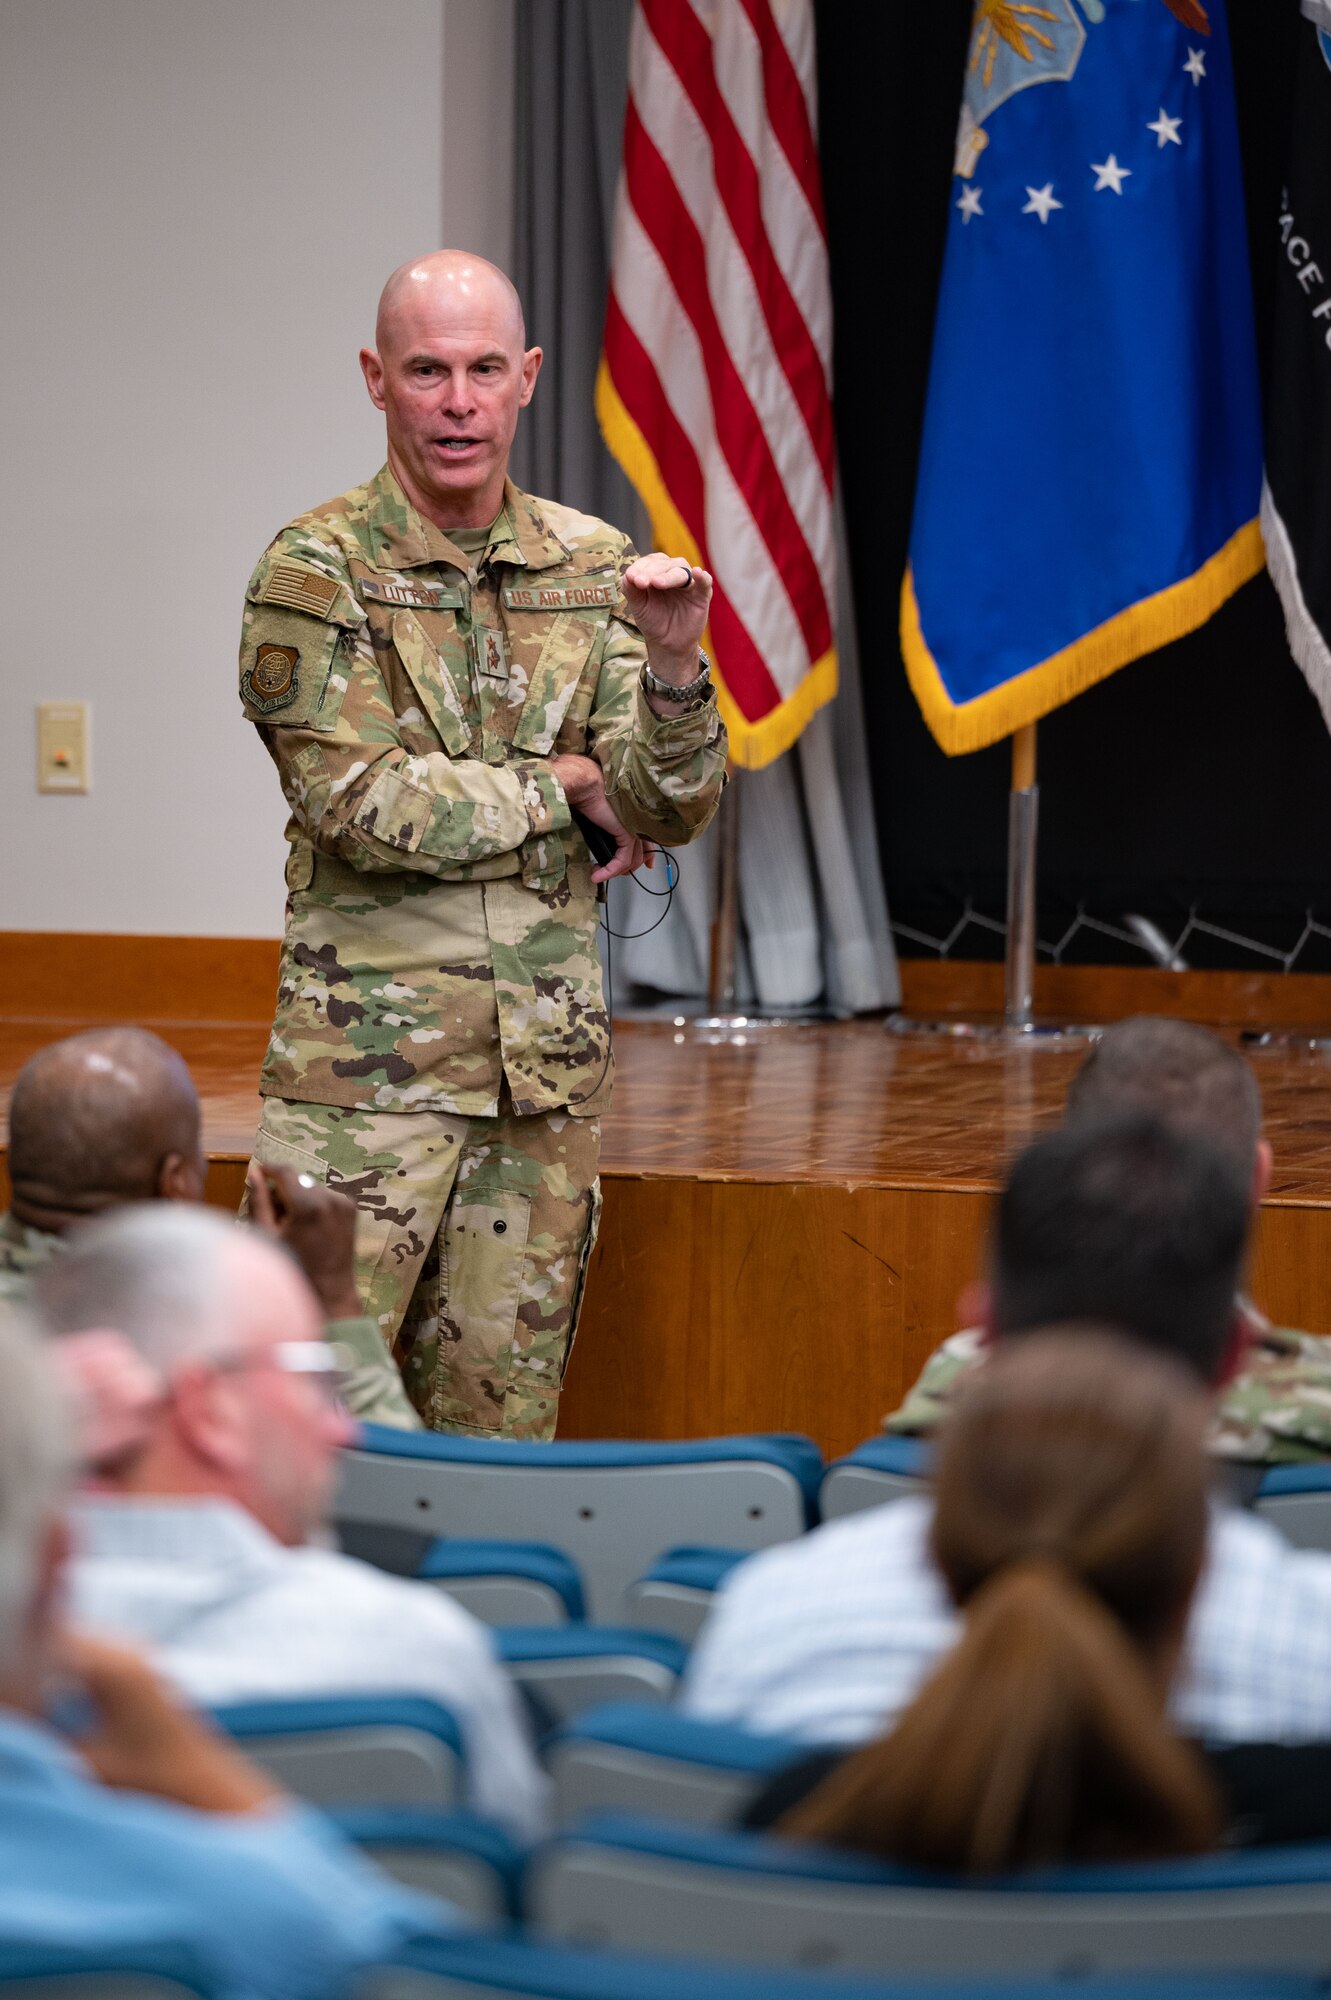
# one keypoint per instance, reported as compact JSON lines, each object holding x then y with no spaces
{"x":788,"y":1221}
{"x":66,"y":976}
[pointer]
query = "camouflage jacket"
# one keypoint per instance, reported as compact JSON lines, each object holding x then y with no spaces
{"x":23,"y":1251}
{"x":1276,"y":1412}
{"x":441,"y":918}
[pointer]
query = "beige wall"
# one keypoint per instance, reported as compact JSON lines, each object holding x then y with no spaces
{"x":200,"y":204}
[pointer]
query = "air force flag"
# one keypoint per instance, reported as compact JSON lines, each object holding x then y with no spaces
{"x":1091,"y":467}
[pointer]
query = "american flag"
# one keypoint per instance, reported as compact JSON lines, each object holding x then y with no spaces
{"x":714,"y":390}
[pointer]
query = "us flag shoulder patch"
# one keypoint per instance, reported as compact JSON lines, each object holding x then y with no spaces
{"x":301,"y":588}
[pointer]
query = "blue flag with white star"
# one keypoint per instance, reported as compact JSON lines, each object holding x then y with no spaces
{"x":1091,"y":466}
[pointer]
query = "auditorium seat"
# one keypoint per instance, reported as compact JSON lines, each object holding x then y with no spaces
{"x":506,"y":1583}
{"x":882,"y":1468}
{"x":120,"y":1968}
{"x":675,"y":1595}
{"x":369,"y":1749}
{"x":646,"y":1885}
{"x":628,"y":1757}
{"x":1297,"y":1500}
{"x":485,"y":1968}
{"x":461,"y":1857}
{"x":567,"y":1669}
{"x":611,"y":1508}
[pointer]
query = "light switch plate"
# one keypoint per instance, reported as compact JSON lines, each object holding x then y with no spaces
{"x":62,"y":746}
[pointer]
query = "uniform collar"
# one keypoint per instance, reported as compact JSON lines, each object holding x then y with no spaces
{"x":401,"y":536}
{"x":34,"y":1244}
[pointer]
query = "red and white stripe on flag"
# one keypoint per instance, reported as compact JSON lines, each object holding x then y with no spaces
{"x":714,"y":390}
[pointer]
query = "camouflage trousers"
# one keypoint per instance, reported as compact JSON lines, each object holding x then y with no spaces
{"x":472,"y":1246}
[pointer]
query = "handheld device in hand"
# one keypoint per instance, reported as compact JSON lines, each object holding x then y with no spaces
{"x":601,"y":843}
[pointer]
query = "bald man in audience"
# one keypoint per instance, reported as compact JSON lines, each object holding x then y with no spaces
{"x":1277,"y":1408}
{"x":112,"y":1116}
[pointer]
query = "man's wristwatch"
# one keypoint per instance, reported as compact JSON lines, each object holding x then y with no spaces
{"x":692,"y":694}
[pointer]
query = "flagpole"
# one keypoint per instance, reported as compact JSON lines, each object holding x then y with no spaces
{"x":1022,"y":839}
{"x":722,"y":980}
{"x":1019,"y":1022}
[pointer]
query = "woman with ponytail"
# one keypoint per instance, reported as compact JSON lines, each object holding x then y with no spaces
{"x":1070,"y":1525}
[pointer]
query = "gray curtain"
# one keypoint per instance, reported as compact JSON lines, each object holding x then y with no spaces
{"x":814,"y":923}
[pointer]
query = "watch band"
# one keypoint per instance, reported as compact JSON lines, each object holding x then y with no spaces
{"x":693,"y":692}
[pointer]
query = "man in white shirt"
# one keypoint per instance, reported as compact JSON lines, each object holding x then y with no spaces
{"x":1129,"y":1223}
{"x":198,"y":1544}
{"x":126,"y":1824}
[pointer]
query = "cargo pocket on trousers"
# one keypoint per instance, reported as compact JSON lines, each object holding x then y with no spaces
{"x":483,"y":1259}
{"x":584,"y":1262}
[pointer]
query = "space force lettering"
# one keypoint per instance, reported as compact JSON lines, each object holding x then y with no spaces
{"x":1306,"y":269}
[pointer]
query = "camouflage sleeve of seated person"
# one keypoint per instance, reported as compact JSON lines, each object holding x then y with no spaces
{"x":1277,"y":1410}
{"x":929,"y":1401}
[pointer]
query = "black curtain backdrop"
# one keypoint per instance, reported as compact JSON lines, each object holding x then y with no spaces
{"x":1199,"y":778}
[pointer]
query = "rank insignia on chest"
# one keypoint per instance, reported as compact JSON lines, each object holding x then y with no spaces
{"x":271,"y":681}
{"x":419,"y":596}
{"x":489,"y":653}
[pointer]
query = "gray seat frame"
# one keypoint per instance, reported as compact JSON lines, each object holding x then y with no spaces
{"x":852,"y":1489}
{"x":382,"y":1764}
{"x":568,"y":1687}
{"x":614,"y":1521}
{"x":591,"y":1895}
{"x":1302,"y":1518}
{"x":610,"y":1777}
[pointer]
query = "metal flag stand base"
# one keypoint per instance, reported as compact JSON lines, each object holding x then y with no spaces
{"x":1018,"y":1024}
{"x":722,"y":1021}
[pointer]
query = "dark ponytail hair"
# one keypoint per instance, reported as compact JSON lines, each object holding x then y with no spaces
{"x":1070,"y":1525}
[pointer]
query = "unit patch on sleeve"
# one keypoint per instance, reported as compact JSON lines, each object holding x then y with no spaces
{"x":304,"y":589}
{"x":272,"y":681}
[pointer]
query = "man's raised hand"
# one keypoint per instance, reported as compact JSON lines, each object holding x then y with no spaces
{"x":318,"y":1226}
{"x":668,"y":601}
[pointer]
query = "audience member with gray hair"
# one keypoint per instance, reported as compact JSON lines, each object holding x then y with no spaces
{"x":197,"y":1542}
{"x":136,"y":1823}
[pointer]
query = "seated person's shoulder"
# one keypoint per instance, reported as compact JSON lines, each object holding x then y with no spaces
{"x":931,"y":1397}
{"x":1243,"y":1549}
{"x":1277,"y":1410}
{"x":269,"y":1901}
{"x":836,"y":1558}
{"x":393,"y":1607}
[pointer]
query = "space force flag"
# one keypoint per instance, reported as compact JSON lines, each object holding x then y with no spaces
{"x":1296,"y":506}
{"x":1090,"y":470}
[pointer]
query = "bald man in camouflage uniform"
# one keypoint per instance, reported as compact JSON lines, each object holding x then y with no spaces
{"x":1276,"y":1410}
{"x":443,"y":669}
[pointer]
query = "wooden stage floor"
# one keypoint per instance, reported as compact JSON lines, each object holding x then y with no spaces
{"x":790,"y":1213}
